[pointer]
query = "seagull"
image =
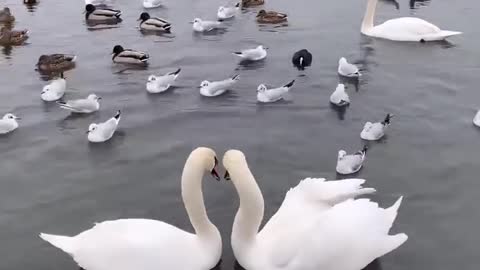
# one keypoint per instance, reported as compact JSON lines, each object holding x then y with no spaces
{"x":151,"y":3}
{"x":228,"y":12}
{"x":8,"y":123}
{"x":348,"y":70}
{"x":159,"y":84}
{"x":213,"y":89}
{"x":55,"y":90}
{"x":476,"y":120}
{"x":205,"y":26}
{"x":350,"y":164}
{"x":302,"y":59}
{"x":375,"y":131}
{"x":103,"y":132}
{"x":265,"y":95}
{"x":85,"y":105}
{"x":255,"y":54}
{"x":340,"y":97}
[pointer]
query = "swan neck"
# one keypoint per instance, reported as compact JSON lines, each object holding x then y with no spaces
{"x":250,"y":212}
{"x":192,"y":196}
{"x":367,"y":23}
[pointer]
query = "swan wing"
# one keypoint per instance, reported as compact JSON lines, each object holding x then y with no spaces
{"x":134,"y":244}
{"x":411,"y":29}
{"x":302,"y":206}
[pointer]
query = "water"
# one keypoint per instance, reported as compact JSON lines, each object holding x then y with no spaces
{"x":52,"y":180}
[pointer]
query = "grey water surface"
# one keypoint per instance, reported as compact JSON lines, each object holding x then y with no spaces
{"x":52,"y":180}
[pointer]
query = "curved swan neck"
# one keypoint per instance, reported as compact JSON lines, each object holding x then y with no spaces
{"x":192,"y":196}
{"x":367,"y":23}
{"x":250,"y":212}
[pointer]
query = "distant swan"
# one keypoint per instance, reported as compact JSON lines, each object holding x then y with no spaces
{"x":318,"y":226}
{"x":402,"y":29}
{"x":146,"y":244}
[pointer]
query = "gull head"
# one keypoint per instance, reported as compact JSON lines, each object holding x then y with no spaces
{"x":341,"y":154}
{"x":340,"y":87}
{"x":93,"y":97}
{"x":204,"y":84}
{"x":152,"y":78}
{"x":10,"y":117}
{"x":92,"y":128}
{"x":261,"y":88}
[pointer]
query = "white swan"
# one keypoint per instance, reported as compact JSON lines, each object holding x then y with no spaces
{"x":402,"y":29}
{"x":318,"y":225}
{"x":133,"y":244}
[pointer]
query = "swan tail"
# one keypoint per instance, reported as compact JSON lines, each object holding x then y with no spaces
{"x":446,"y":33}
{"x":64,"y":243}
{"x":392,"y":242}
{"x":440,"y":35}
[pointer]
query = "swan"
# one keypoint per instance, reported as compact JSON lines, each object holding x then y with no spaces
{"x":318,"y":226}
{"x":133,"y":244}
{"x":402,"y":29}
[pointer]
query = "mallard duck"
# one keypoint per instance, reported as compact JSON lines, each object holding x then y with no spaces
{"x":12,"y":37}
{"x":93,"y":13}
{"x":127,"y":56}
{"x":271,"y":17}
{"x":154,"y":24}
{"x":252,"y":3}
{"x":56,"y":62}
{"x":6,"y":16}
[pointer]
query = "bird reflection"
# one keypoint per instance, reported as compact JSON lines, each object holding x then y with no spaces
{"x":375,"y":265}
{"x":393,"y":2}
{"x":31,"y":5}
{"x":7,"y":50}
{"x":413,"y":4}
{"x":340,"y":110}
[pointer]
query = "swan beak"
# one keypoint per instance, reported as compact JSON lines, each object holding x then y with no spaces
{"x":227,"y":176}
{"x":215,"y":174}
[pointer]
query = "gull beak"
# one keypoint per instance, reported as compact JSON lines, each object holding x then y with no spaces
{"x":227,"y":176}
{"x":98,"y":98}
{"x":88,"y":131}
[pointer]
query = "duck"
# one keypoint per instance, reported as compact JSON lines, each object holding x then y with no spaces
{"x":216,"y":88}
{"x":200,"y":25}
{"x":8,"y":123}
{"x":402,"y":29}
{"x":348,"y":70}
{"x":102,"y":132}
{"x":255,"y":54}
{"x":128,"y":56}
{"x":340,"y":97}
{"x":6,"y":16}
{"x":96,"y":13}
{"x":319,"y":225}
{"x":81,"y":106}
{"x":476,"y":119}
{"x":252,"y":3}
{"x":265,"y":95}
{"x":12,"y":37}
{"x":350,"y":164}
{"x":224,"y":13}
{"x":271,"y":17}
{"x":56,"y":62}
{"x":151,"y":3}
{"x":375,"y":131}
{"x":154,"y":24}
{"x":55,"y":90}
{"x":159,"y":84}
{"x":302,"y":59}
{"x":148,"y":244}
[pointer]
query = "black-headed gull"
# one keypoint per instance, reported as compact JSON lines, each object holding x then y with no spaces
{"x":54,"y":90}
{"x":84,"y":105}
{"x":266,"y":95}
{"x":8,"y":123}
{"x":346,"y":69}
{"x":349,"y":164}
{"x":103,"y":132}
{"x":375,"y":131}
{"x":213,"y":89}
{"x":258,"y":53}
{"x":340,"y":97}
{"x":158,"y":84}
{"x":228,"y":12}
{"x":205,"y":26}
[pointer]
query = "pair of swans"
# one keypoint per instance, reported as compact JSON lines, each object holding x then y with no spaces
{"x":402,"y":29}
{"x":318,"y":226}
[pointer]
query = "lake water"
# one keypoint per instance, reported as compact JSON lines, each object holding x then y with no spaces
{"x":53,"y":181}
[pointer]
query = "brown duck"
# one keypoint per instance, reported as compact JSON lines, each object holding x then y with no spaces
{"x":6,"y":16}
{"x":252,"y":3}
{"x":271,"y":17}
{"x":56,"y":62}
{"x":12,"y":37}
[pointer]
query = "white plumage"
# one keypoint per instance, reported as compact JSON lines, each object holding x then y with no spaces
{"x":158,"y":84}
{"x":255,"y":54}
{"x":350,"y":164}
{"x":8,"y":123}
{"x":152,"y":3}
{"x":205,"y":26}
{"x":476,"y":119}
{"x":318,"y":226}
{"x":98,"y":133}
{"x":84,"y":105}
{"x":346,"y":69}
{"x":375,"y":131}
{"x":266,"y":95}
{"x":224,"y":13}
{"x":54,"y":90}
{"x":340,"y":97}
{"x":213,"y":89}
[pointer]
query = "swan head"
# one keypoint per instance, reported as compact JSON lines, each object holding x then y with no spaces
{"x":341,"y":154}
{"x":231,"y":161}
{"x":208,"y":160}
